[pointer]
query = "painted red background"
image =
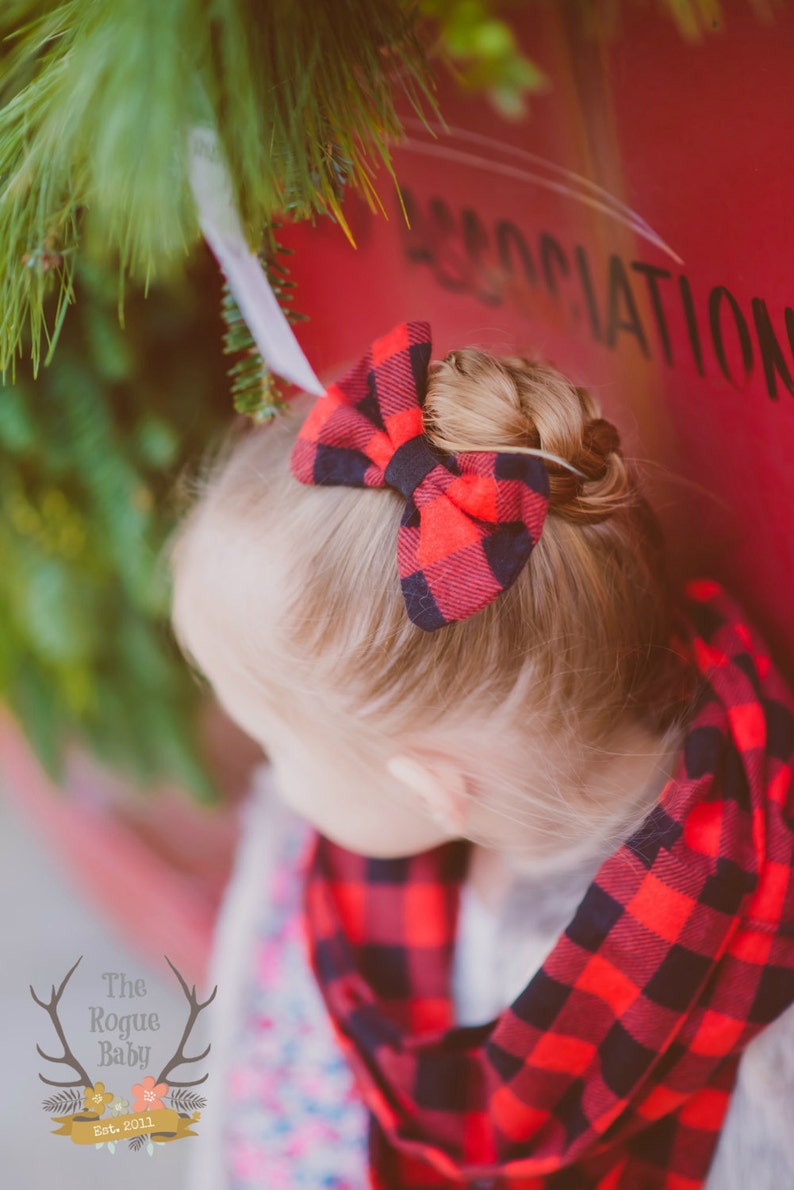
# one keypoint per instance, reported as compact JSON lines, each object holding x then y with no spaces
{"x":658,"y":174}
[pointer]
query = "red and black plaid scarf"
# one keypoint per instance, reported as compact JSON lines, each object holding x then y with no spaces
{"x":614,"y":1066}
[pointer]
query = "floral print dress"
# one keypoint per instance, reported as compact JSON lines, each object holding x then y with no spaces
{"x":288,"y":1116}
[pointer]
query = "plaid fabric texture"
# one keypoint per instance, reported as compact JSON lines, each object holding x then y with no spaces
{"x":471,"y":519}
{"x":614,"y":1066}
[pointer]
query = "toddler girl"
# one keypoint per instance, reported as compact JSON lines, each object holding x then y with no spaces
{"x":550,"y":901}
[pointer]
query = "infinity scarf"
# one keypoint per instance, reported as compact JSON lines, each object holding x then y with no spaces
{"x":615,"y":1065}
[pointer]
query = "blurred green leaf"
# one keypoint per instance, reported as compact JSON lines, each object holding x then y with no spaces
{"x":89,"y":455}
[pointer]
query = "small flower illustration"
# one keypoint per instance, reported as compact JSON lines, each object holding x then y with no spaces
{"x":96,"y":1098}
{"x":120,"y":1106}
{"x":147,"y":1095}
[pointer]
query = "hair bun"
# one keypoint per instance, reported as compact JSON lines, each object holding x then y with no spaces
{"x":600,"y":439}
{"x":476,"y":401}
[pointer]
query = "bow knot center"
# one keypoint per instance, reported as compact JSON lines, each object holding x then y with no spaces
{"x":409,"y":465}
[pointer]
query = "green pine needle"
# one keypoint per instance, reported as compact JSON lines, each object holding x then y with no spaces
{"x":256,"y":391}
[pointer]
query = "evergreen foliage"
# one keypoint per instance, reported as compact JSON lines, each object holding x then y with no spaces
{"x":98,"y":100}
{"x":90,"y":452}
{"x":255,"y":389}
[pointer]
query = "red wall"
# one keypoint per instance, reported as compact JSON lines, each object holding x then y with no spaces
{"x":638,"y":230}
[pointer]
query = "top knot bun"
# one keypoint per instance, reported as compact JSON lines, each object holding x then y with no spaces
{"x":476,"y":401}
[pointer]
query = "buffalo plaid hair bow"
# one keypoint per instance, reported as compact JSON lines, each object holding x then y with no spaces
{"x":471,"y":519}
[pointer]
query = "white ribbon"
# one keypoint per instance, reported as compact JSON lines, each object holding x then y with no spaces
{"x":220,"y":224}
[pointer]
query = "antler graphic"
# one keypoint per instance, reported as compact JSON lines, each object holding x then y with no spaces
{"x":68,"y":1058}
{"x":179,"y":1057}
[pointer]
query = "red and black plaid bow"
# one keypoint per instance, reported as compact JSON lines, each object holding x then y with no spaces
{"x":615,"y":1065}
{"x":471,"y":519}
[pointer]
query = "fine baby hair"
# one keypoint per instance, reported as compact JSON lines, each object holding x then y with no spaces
{"x":299,"y":585}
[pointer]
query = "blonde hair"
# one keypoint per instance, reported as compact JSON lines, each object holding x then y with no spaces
{"x":579,"y":644}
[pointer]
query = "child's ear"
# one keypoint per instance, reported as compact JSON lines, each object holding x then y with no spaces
{"x":439,"y":785}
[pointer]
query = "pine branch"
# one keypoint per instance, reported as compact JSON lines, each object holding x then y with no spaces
{"x":256,"y":391}
{"x":99,"y":100}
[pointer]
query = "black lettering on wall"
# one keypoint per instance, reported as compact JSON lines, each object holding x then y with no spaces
{"x":653,"y":275}
{"x":583,"y":267}
{"x":718,"y":295}
{"x":771,"y":354}
{"x":463,"y":257}
{"x":691,"y":323}
{"x":451,"y":268}
{"x":622,"y":312}
{"x":510,"y":241}
{"x":551,"y":251}
{"x":416,"y":238}
{"x":475,"y":240}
